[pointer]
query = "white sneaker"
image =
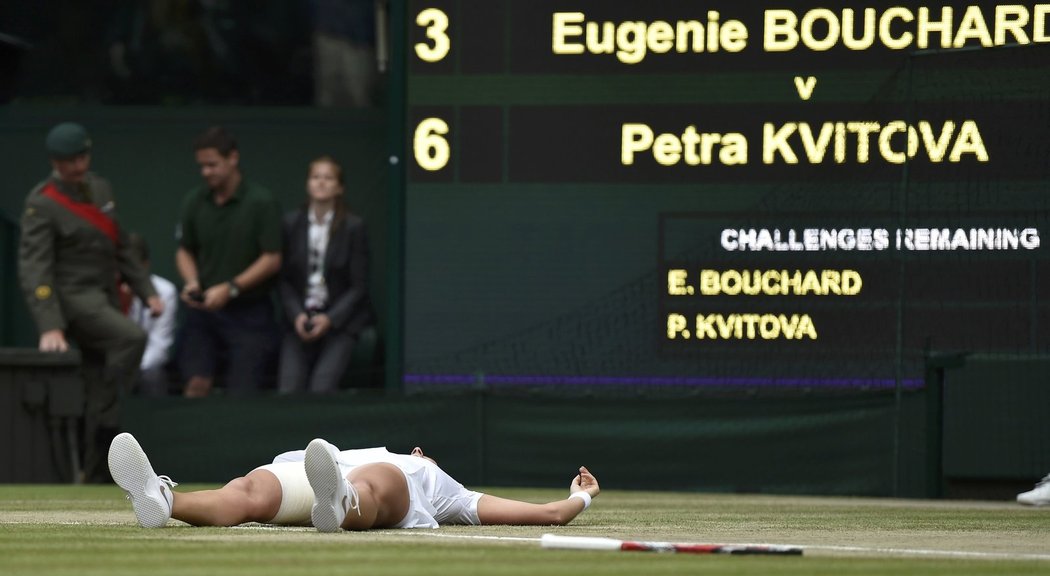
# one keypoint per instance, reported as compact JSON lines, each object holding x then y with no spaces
{"x":334,"y":496}
{"x":150,"y":495}
{"x":1038,"y":496}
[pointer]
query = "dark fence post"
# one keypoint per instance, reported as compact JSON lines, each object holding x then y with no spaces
{"x":936,"y":364}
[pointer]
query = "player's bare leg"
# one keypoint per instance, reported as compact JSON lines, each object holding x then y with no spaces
{"x":382,"y":486}
{"x":253,"y":498}
{"x":496,"y":510}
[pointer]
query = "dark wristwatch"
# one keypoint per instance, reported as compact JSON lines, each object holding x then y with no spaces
{"x":235,"y":290}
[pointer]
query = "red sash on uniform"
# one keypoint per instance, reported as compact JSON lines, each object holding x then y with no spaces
{"x":85,"y":211}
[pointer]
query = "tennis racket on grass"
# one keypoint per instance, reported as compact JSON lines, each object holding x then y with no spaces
{"x":588,"y":543}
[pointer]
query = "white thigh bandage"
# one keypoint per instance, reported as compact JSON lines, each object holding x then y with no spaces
{"x":296,"y":495}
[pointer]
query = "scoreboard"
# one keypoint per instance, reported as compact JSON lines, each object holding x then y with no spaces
{"x":721,"y":194}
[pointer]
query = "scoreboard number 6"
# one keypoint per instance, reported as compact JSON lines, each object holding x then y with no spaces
{"x":436,"y":23}
{"x":429,"y":145}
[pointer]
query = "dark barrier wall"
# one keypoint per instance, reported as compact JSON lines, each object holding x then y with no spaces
{"x":9,"y":292}
{"x":41,"y":402}
{"x":147,"y":153}
{"x":787,"y":444}
{"x":995,"y":417}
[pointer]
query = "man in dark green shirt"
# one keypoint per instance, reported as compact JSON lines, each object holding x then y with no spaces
{"x":71,"y":252}
{"x":229,"y":252}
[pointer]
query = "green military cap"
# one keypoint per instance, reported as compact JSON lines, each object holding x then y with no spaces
{"x":67,"y":139}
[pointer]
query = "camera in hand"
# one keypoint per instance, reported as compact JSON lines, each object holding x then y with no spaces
{"x":308,"y":326}
{"x":197,"y":296}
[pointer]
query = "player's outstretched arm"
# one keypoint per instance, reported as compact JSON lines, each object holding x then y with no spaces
{"x":496,"y":510}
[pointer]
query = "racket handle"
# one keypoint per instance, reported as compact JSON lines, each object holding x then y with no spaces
{"x":579,"y":542}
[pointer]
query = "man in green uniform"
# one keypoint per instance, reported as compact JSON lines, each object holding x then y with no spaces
{"x":71,"y":252}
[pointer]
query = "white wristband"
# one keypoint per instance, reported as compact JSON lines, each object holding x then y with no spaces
{"x":582,"y":495}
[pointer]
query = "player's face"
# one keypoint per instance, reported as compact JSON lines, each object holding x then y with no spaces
{"x":73,"y":169}
{"x":418,"y":453}
{"x":323,"y":183}
{"x":216,"y":169}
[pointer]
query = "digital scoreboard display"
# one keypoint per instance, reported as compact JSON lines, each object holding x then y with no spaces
{"x":722,"y":194}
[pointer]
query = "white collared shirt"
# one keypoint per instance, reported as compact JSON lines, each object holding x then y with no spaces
{"x":317,"y":247}
{"x":160,"y":331}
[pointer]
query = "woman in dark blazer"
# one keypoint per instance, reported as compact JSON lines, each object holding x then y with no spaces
{"x":323,"y":284}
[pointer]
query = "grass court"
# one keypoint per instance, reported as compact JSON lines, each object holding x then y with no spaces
{"x":81,"y":530}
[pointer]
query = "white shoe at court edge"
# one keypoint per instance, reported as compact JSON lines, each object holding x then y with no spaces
{"x":334,"y":496}
{"x":150,"y":495}
{"x":1038,"y":496}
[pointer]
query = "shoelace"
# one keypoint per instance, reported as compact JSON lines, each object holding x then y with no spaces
{"x":165,"y":479}
{"x":1045,"y":480}
{"x":355,"y":500}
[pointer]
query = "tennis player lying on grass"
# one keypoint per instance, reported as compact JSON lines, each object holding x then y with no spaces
{"x":352,"y":490}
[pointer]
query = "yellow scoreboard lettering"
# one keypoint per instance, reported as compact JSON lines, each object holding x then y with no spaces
{"x":436,"y":22}
{"x":429,"y":146}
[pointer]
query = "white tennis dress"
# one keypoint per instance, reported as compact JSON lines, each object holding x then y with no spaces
{"x":435,"y":498}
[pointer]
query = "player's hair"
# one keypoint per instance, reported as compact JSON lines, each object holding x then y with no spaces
{"x":218,"y":138}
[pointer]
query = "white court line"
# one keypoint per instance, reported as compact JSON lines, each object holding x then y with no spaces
{"x":928,"y":552}
{"x":825,"y":547}
{"x":830,"y":548}
{"x":59,"y":523}
{"x":463,"y":536}
{"x":274,"y":528}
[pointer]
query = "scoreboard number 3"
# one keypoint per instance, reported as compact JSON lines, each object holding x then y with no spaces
{"x":436,"y":23}
{"x":429,"y":145}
